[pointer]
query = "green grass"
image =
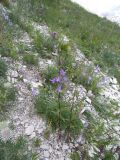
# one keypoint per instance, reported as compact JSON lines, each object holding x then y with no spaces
{"x":66,"y":56}
{"x":43,"y":45}
{"x":14,"y":150}
{"x":49,"y":73}
{"x":3,"y":69}
{"x":84,"y":75}
{"x":7,"y":95}
{"x":97,"y":38}
{"x":30,"y":59}
{"x":93,"y":35}
{"x":7,"y":48}
{"x":5,"y":2}
{"x":75,"y":156}
{"x":48,"y":106}
{"x":37,"y":142}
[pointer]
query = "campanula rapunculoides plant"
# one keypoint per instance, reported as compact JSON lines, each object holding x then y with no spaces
{"x":60,"y":81}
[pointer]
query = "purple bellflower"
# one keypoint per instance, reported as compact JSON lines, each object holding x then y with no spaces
{"x":62,"y":72}
{"x":53,"y":81}
{"x":60,"y":80}
{"x":59,"y":89}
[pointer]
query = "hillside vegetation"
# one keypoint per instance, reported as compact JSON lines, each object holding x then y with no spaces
{"x":59,"y":82}
{"x":97,"y":37}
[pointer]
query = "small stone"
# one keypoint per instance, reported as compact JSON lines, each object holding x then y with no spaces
{"x":88,"y":100}
{"x":29,"y":148}
{"x":20,"y":98}
{"x":8,"y":78}
{"x":49,"y":62}
{"x":25,"y":81}
{"x":36,"y":84}
{"x":14,"y":74}
{"x":46,"y":154}
{"x":85,"y":109}
{"x":80,"y":140}
{"x":13,"y":80}
{"x":113,"y":80}
{"x":50,"y":150}
{"x":54,"y":53}
{"x":65,"y":147}
{"x":115,"y":87}
{"x":45,"y":147}
{"x":89,"y":94}
{"x":40,"y":130}
{"x":33,"y":135}
{"x":7,"y":85}
{"x":29,"y":130}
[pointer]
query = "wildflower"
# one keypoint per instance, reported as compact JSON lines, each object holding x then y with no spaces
{"x":60,"y":80}
{"x":53,"y":80}
{"x":59,"y":89}
{"x":62,"y":72}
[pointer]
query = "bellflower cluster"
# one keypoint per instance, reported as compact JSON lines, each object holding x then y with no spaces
{"x":59,"y":80}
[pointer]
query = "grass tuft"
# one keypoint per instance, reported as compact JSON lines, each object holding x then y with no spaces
{"x":14,"y":150}
{"x":47,"y":106}
{"x":30,"y":59}
{"x":3,"y":69}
